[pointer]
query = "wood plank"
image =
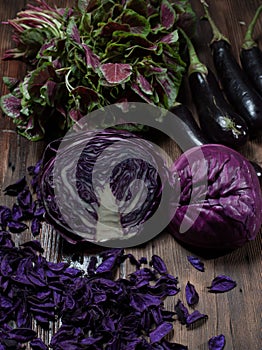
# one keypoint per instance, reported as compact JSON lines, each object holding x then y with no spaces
{"x":234,"y":314}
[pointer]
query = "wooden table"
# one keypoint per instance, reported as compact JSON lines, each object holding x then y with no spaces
{"x":236,"y":314}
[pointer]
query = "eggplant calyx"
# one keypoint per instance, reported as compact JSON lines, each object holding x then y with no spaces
{"x":249,"y":42}
{"x":195,"y":65}
{"x":217,"y":35}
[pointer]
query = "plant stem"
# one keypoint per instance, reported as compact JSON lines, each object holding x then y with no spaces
{"x":196,"y":66}
{"x":249,"y":42}
{"x":217,"y":35}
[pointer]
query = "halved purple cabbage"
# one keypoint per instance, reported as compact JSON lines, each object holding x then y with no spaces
{"x":224,"y":210}
{"x":121,"y":177}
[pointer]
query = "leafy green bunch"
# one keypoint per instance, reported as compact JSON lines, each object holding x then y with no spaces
{"x":97,"y":53}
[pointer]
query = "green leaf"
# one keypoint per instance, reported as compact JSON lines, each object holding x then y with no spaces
{"x":138,"y":24}
{"x":10,"y":83}
{"x":10,"y":105}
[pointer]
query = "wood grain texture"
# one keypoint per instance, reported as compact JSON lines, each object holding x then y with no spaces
{"x":235,"y":314}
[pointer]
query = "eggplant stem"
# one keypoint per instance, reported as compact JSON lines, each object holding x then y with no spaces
{"x":217,"y":35}
{"x":196,"y":66}
{"x":249,"y":42}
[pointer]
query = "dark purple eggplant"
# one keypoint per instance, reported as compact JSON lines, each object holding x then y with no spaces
{"x":189,"y":128}
{"x":193,"y":135}
{"x":218,"y":121}
{"x":237,"y":87}
{"x":251,"y":55}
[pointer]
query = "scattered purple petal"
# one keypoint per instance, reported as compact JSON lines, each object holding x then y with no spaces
{"x":160,"y":332}
{"x":194,"y":317}
{"x":192,"y":296}
{"x":16,"y":188}
{"x":158,"y":264}
{"x":199,"y":265}
{"x":217,"y":342}
{"x":221,"y":284}
{"x":181,"y":312}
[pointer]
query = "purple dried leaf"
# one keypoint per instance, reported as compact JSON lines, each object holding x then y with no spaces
{"x":22,"y":335}
{"x":141,"y":302}
{"x":217,"y":342}
{"x":24,"y":199}
{"x":35,"y":227}
{"x":173,"y":346}
{"x":38,"y":344}
{"x":16,"y":188}
{"x":5,"y":216}
{"x":34,"y":245}
{"x":181,"y":312}
{"x":194,"y":317}
{"x":192,"y":296}
{"x":160,"y":332}
{"x":16,"y":226}
{"x":221,"y":284}
{"x":107,"y":265}
{"x":158,"y":264}
{"x":116,"y":73}
{"x":17,"y":213}
{"x":167,"y":15}
{"x":194,"y":261}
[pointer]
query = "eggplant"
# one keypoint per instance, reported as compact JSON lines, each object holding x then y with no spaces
{"x":251,"y":55}
{"x":237,"y":87}
{"x":218,"y":121}
{"x":193,"y":134}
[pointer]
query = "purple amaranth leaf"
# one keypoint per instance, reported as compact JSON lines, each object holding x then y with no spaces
{"x":194,"y":317}
{"x":144,"y":85}
{"x":160,"y":332}
{"x":75,"y":114}
{"x":181,"y":312}
{"x":170,"y":92}
{"x":92,"y":60}
{"x":167,"y":15}
{"x":38,"y":344}
{"x":72,"y":31}
{"x":158,"y":264}
{"x":11,"y":83}
{"x":16,"y":226}
{"x":217,"y":342}
{"x":11,"y":105}
{"x":136,"y":88}
{"x":16,"y":188}
{"x":199,"y":265}
{"x":138,"y":24}
{"x":110,"y":27}
{"x":170,"y":38}
{"x":221,"y":284}
{"x":192,"y":296}
{"x":116,"y":73}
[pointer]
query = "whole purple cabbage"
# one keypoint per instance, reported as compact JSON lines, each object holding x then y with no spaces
{"x":135,"y":163}
{"x":220,"y":201}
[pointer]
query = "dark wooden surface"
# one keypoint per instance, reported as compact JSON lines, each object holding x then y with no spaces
{"x":236,"y":314}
